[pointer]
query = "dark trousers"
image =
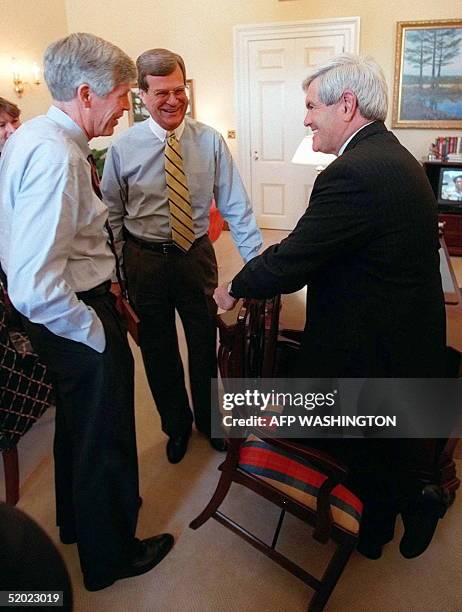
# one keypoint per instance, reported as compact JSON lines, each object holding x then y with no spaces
{"x":158,"y":284}
{"x":96,"y":468}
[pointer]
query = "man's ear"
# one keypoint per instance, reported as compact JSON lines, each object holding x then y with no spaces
{"x":84,"y":94}
{"x":349,"y":104}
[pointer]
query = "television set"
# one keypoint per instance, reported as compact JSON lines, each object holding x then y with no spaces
{"x":446,"y":182}
{"x":450,"y":187}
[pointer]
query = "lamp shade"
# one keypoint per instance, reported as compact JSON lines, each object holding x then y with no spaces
{"x":306,"y":156}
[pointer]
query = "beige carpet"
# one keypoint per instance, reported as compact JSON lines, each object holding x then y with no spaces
{"x":213,"y":570}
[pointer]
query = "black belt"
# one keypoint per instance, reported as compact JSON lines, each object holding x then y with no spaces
{"x":101,"y":289}
{"x":160,"y":247}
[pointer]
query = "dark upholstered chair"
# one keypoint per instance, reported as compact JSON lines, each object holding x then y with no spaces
{"x":302,"y":481}
{"x":25,"y":394}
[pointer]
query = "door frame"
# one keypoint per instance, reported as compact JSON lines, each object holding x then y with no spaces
{"x":243,"y":35}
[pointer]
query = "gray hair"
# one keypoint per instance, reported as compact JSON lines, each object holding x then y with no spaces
{"x":359,"y":73}
{"x":158,"y":62}
{"x":85,"y":58}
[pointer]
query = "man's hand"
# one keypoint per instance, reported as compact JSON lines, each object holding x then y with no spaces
{"x":223,"y":299}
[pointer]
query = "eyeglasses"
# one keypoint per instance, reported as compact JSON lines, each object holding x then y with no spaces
{"x":163,"y":94}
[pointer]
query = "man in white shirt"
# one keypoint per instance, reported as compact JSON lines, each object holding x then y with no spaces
{"x":164,"y":275}
{"x":55,"y":253}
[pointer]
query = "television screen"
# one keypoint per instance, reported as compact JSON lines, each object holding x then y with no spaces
{"x":450,"y":187}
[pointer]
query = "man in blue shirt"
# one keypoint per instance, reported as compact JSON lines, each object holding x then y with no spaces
{"x":55,"y":253}
{"x":168,"y":258}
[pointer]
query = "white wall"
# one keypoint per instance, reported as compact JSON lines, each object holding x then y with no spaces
{"x":26,"y":28}
{"x":201,"y":31}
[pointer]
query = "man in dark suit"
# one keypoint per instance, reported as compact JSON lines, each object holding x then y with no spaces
{"x":367,"y":247}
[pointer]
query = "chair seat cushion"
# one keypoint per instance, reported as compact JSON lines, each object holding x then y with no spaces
{"x":298,"y":479}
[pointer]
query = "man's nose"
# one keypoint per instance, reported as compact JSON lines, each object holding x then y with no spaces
{"x":171,"y":94}
{"x":307,"y":121}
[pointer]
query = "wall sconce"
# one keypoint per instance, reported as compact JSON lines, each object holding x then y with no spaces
{"x":18,"y":81}
{"x":306,"y":156}
{"x":36,"y":73}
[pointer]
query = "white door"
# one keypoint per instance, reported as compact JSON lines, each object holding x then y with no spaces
{"x":270,"y":101}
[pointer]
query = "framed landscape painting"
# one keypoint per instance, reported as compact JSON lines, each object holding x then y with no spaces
{"x":190,"y":91}
{"x":428,"y":74}
{"x":138,"y":111}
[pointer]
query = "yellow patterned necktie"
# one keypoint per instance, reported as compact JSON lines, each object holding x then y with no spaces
{"x":179,"y":198}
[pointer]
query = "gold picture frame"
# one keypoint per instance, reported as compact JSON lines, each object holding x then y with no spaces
{"x":191,"y":112}
{"x":428,"y":74}
{"x":138,"y":111}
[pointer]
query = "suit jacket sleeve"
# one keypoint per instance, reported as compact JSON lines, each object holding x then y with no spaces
{"x":340,"y":219}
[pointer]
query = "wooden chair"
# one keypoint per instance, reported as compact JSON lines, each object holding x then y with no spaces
{"x":25,"y":394}
{"x":302,"y":481}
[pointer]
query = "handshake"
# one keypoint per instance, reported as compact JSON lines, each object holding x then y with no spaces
{"x":222,"y":297}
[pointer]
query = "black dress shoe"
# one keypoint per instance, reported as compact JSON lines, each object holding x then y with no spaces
{"x":219,"y":444}
{"x":149,"y":553}
{"x":177,"y":446}
{"x":377,"y":529}
{"x":420,"y":518}
{"x":369,"y":550}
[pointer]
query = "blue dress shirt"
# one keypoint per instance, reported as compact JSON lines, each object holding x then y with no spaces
{"x":52,"y":237}
{"x":135,"y":190}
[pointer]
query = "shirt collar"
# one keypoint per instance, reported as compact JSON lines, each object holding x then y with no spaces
{"x":345,"y":144}
{"x":161,"y":133}
{"x":74,"y":131}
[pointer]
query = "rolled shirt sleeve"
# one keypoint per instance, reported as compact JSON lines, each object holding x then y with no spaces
{"x":234,"y":204}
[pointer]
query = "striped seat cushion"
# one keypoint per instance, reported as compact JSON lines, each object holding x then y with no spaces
{"x":298,"y":479}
